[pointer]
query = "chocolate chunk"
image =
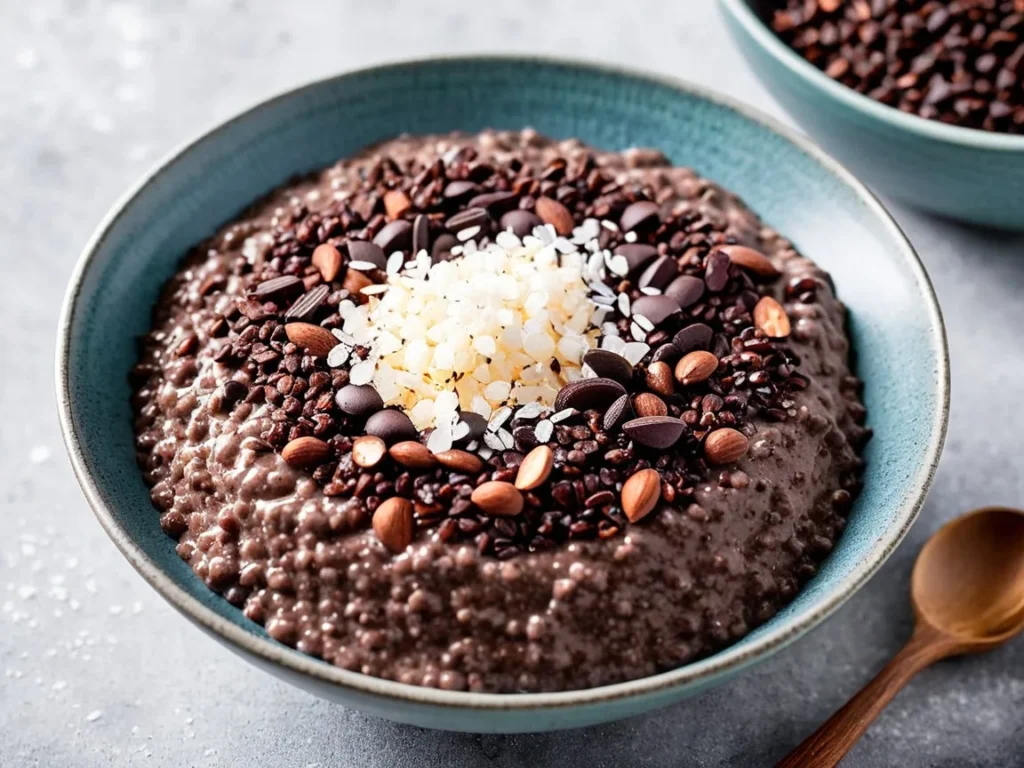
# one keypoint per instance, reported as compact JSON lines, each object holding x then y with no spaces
{"x":495,"y":202}
{"x":655,"y":308}
{"x":686,"y":290}
{"x":637,"y":256}
{"x":391,"y":426}
{"x":666,"y":353}
{"x":460,"y":190}
{"x":655,"y":431}
{"x":716,"y":271}
{"x":364,"y":250}
{"x":234,"y":391}
{"x":358,"y":400}
{"x":471,"y":217}
{"x":696,"y":336}
{"x":396,"y":236}
{"x":521,"y":222}
{"x":618,"y":412}
{"x":278,"y":287}
{"x":588,"y":393}
{"x":442,"y":250}
{"x":640,"y":215}
{"x":420,"y":234}
{"x":308,"y":303}
{"x":477,"y":424}
{"x":609,"y":365}
{"x":659,"y":274}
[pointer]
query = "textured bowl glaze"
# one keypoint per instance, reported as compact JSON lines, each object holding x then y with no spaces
{"x":896,"y":326}
{"x":971,"y":175}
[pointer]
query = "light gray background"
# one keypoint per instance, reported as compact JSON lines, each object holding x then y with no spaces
{"x":98,"y":671}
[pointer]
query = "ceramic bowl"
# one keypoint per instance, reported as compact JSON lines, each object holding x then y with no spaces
{"x":896,"y":326}
{"x":962,"y":173}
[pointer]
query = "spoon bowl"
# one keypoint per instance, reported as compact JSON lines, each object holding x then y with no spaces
{"x":968,"y":582}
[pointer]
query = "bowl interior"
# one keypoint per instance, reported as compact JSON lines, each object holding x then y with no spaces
{"x":895,"y":322}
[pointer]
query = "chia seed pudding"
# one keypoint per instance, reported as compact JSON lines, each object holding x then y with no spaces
{"x":501,"y":413}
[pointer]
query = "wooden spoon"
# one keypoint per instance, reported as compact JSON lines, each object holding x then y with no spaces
{"x":968,"y":595}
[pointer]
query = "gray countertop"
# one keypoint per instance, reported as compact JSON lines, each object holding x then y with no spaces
{"x":98,"y":671}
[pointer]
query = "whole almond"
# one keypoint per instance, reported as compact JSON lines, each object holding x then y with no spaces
{"x":649,"y":404}
{"x":306,"y":452}
{"x":751,"y":260}
{"x":367,"y":451}
{"x":695,"y":367}
{"x":393,"y":523}
{"x":725,"y":445}
{"x":771,"y":318}
{"x":460,"y":461}
{"x":327,"y":259}
{"x":315,"y":340}
{"x":396,"y":202}
{"x":554,"y":213}
{"x":535,"y":468}
{"x":659,"y":378}
{"x":498,"y":498}
{"x":640,"y":494}
{"x":412,"y":454}
{"x":354,"y":283}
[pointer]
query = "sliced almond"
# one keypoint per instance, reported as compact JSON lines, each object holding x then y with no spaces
{"x":649,"y":404}
{"x":725,"y":445}
{"x":659,"y":378}
{"x":367,"y":451}
{"x":412,"y":454}
{"x":554,"y":213}
{"x":695,"y":367}
{"x":306,"y":452}
{"x":535,"y":468}
{"x":460,"y":461}
{"x":393,"y":523}
{"x":498,"y":498}
{"x":751,"y":260}
{"x":327,"y":259}
{"x":640,"y":494}
{"x":314,"y":339}
{"x":771,"y":318}
{"x":396,"y":202}
{"x":354,"y":283}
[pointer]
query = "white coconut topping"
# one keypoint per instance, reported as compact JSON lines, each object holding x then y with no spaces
{"x":482,"y":331}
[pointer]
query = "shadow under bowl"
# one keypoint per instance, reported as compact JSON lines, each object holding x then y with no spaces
{"x":966,"y":174}
{"x":895,"y":323}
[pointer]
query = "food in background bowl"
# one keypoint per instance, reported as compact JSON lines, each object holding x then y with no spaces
{"x":499,"y":413}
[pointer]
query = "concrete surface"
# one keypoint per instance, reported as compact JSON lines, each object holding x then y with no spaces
{"x":98,"y":671}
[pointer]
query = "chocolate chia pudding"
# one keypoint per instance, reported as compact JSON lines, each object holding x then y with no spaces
{"x":501,"y":413}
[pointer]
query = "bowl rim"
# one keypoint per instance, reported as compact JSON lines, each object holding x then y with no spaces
{"x":799,"y":66}
{"x":731,"y":659}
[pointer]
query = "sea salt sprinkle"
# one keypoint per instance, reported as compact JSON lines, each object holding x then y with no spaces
{"x":507,"y":323}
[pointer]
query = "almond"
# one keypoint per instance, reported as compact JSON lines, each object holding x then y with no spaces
{"x":659,"y":378}
{"x":695,"y":367}
{"x":535,"y":468}
{"x":724,"y":446}
{"x":367,"y":451}
{"x":354,"y":283}
{"x":649,"y":404}
{"x":396,"y":202}
{"x":771,"y":318}
{"x":554,"y":213}
{"x":412,"y":454}
{"x":306,"y":452}
{"x":460,"y":461}
{"x":393,"y":524}
{"x":327,"y":259}
{"x":315,"y":340}
{"x":751,"y":260}
{"x":498,"y":498}
{"x":640,"y":494}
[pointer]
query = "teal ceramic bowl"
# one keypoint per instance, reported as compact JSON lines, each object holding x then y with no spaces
{"x":962,"y":173}
{"x":895,"y":323}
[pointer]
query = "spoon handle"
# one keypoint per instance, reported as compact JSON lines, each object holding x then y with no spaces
{"x":829,"y":744}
